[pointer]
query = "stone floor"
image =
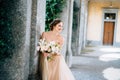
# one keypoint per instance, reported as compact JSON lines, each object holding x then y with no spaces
{"x":97,"y":63}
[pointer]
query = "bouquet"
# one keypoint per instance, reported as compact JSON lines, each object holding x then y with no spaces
{"x":48,"y":47}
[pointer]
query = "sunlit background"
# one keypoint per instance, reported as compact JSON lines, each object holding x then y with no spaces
{"x":112,"y":73}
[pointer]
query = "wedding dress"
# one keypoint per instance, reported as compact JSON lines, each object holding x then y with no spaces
{"x":55,"y":69}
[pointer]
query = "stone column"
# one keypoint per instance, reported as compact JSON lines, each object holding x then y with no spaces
{"x":83,"y":24}
{"x":14,"y":63}
{"x":68,"y":31}
{"x":37,"y":27}
{"x":86,"y":21}
{"x":64,"y":18}
{"x":75,"y":27}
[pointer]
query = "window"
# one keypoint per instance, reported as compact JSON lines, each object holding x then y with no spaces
{"x":110,"y":16}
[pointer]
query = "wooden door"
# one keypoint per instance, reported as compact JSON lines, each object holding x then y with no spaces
{"x":108,"y":33}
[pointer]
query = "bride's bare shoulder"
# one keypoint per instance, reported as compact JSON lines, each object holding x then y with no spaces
{"x":45,"y":34}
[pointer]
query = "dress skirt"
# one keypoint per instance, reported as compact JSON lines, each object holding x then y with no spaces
{"x":55,"y":69}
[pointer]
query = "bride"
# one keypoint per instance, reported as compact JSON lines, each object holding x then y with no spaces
{"x":55,"y":69}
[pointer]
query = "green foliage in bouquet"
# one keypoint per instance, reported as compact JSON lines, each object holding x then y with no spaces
{"x":53,"y":10}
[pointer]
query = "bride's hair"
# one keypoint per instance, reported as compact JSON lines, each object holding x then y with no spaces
{"x":54,"y":23}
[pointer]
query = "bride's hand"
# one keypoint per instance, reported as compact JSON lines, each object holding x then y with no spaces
{"x":56,"y":54}
{"x":45,"y":54}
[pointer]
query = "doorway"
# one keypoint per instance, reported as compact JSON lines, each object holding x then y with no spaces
{"x":108,"y":33}
{"x":109,"y":26}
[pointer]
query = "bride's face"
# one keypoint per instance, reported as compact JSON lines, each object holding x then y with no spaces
{"x":59,"y":27}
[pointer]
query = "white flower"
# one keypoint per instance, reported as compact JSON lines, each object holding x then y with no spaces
{"x":51,"y":47}
{"x":38,"y":48}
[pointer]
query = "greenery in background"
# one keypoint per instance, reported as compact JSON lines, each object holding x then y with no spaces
{"x":53,"y":10}
{"x":6,"y":43}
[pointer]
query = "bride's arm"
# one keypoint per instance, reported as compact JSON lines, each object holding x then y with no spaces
{"x":61,"y":41}
{"x":43,"y":37}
